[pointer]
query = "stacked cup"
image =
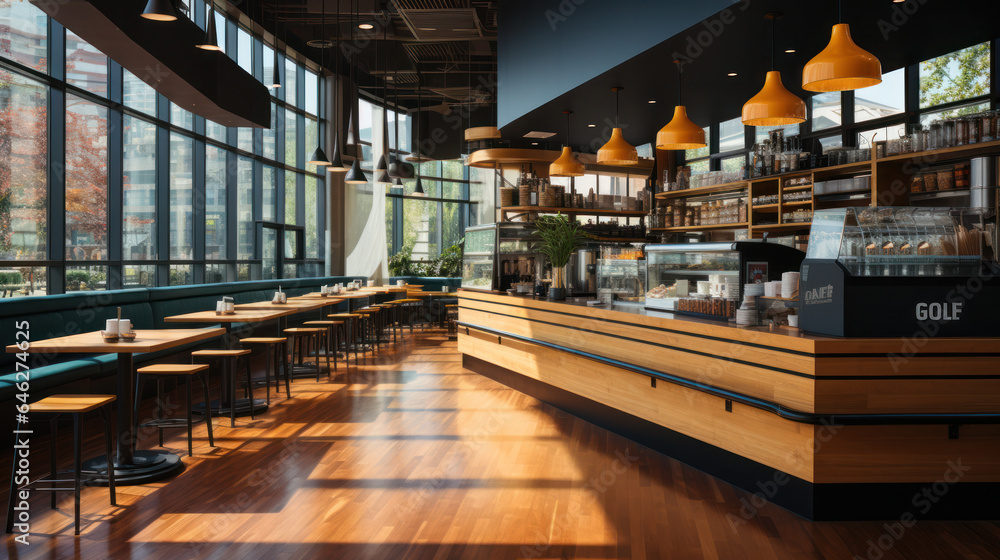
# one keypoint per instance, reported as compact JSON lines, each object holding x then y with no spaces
{"x":790,"y":285}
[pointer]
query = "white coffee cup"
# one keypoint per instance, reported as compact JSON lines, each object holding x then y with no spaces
{"x":445,"y":289}
{"x":111,"y":326}
{"x":230,"y":306}
{"x":793,"y":321}
{"x":371,"y":283}
{"x":124,"y":326}
{"x":400,"y":283}
{"x":284,"y":298}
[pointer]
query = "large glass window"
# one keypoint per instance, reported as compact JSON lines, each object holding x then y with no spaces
{"x":290,"y":83}
{"x":731,"y":135}
{"x":269,"y":135}
{"x":137,"y":95}
{"x":700,"y":152}
{"x":960,"y":75}
{"x":23,"y":167}
{"x":884,"y":100}
{"x":270,"y":190}
{"x":291,"y":148}
{"x":312,"y":93}
{"x":244,"y":208}
{"x":244,"y":50}
{"x":215,"y":203}
{"x":86,"y":67}
{"x":291,"y":198}
{"x":24,"y":34}
{"x":86,"y":180}
{"x":181,"y":197}
{"x":827,"y":110}
{"x":139,"y":190}
{"x":312,"y":219}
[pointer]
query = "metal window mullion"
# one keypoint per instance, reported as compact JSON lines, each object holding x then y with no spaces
{"x":116,"y":224}
{"x":232,"y":205}
{"x":199,"y":201}
{"x":162,"y":223}
{"x":56,"y":184}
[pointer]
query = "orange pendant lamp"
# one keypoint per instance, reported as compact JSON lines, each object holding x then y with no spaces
{"x":680,"y":133}
{"x":566,"y":165}
{"x":842,"y":65}
{"x":617,"y":151}
{"x":774,"y":105}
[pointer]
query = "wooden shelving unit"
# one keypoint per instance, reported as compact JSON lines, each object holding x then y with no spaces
{"x":572,"y":211}
{"x":741,"y":225}
{"x":703,"y":191}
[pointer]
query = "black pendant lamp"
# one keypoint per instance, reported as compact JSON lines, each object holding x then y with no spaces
{"x":382,"y":166}
{"x":398,"y":168}
{"x":337,"y":159}
{"x":355,"y":176}
{"x":211,"y":42}
{"x":160,"y":10}
{"x":419,"y":191}
{"x":318,"y":157}
{"x":275,"y":73}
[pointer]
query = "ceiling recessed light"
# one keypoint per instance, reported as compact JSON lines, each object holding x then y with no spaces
{"x":427,"y":28}
{"x":731,"y":74}
{"x":789,"y":51}
{"x":365,"y":26}
{"x":534,"y":143}
{"x":591,"y":126}
{"x":651,"y":101}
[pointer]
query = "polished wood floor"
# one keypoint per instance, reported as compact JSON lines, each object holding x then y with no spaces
{"x":414,"y":457}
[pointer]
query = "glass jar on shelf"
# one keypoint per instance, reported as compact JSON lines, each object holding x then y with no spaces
{"x":948,"y":133}
{"x":936,"y":132}
{"x":987,"y":132}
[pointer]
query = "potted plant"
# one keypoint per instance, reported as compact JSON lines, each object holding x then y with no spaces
{"x":560,"y":238}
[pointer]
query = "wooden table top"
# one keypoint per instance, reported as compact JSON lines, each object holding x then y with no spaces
{"x":299,"y":304}
{"x":431,"y":294}
{"x":146,"y":340}
{"x":350,"y":295}
{"x":332,"y":298}
{"x":259,"y":315}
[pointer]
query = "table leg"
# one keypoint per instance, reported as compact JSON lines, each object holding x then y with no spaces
{"x":131,"y":466}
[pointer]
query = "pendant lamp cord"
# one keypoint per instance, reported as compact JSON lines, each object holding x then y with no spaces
{"x":772,"y":44}
{"x":616,"y":108}
{"x":840,"y":11}
{"x":679,"y":76}
{"x":567,"y":128}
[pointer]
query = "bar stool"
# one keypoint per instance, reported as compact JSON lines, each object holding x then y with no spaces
{"x":405,"y":311}
{"x":451,"y":315}
{"x":369,"y":317}
{"x":386,"y":318}
{"x":303,"y":341}
{"x":275,"y":355}
{"x":351,"y":332}
{"x":77,"y":406}
{"x":228,"y":360}
{"x":332,"y":340}
{"x":160,"y":372}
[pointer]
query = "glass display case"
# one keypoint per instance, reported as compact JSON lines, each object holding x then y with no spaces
{"x":479,"y":257}
{"x":706,"y":279}
{"x":621,"y":273}
{"x":899,"y":241}
{"x":900,"y":271}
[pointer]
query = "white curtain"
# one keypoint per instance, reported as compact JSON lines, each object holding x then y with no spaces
{"x":367,"y":253}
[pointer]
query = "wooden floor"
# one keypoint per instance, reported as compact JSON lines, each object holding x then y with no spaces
{"x":415,"y":457}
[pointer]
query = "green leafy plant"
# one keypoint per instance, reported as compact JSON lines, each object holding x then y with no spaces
{"x":560,"y":238}
{"x":400,"y":264}
{"x":451,"y":261}
{"x":76,"y":277}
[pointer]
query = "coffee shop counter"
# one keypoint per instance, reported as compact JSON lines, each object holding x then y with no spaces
{"x":837,"y":420}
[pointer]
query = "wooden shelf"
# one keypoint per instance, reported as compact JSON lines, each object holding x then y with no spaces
{"x":701,"y":191}
{"x":619,"y":239}
{"x":822,"y":173}
{"x":797,"y":188}
{"x":682,"y":229}
{"x":959,"y":152}
{"x":769,"y":208}
{"x":573,"y":211}
{"x":797,"y":203}
{"x":781,"y":227}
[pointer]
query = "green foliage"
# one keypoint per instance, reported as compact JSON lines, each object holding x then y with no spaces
{"x":11,"y":278}
{"x":560,"y":238}
{"x":451,"y":261}
{"x":400,"y":264}
{"x":75,"y":277}
{"x":955,"y":76}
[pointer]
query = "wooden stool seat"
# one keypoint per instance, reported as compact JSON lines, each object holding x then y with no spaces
{"x":70,"y":404}
{"x":219,"y":353}
{"x":408,"y":300}
{"x":450,"y":305}
{"x":323,"y":322}
{"x":264,"y":340}
{"x":307,"y":337}
{"x":173,"y":369}
{"x":302,"y":330}
{"x":344,"y":315}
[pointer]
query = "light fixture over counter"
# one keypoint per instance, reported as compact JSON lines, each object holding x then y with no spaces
{"x":617,"y":151}
{"x":567,"y":165}
{"x":774,"y":105}
{"x":680,"y":133}
{"x":842,"y":65}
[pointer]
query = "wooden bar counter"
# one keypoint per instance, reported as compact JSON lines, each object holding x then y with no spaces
{"x":853,"y":428}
